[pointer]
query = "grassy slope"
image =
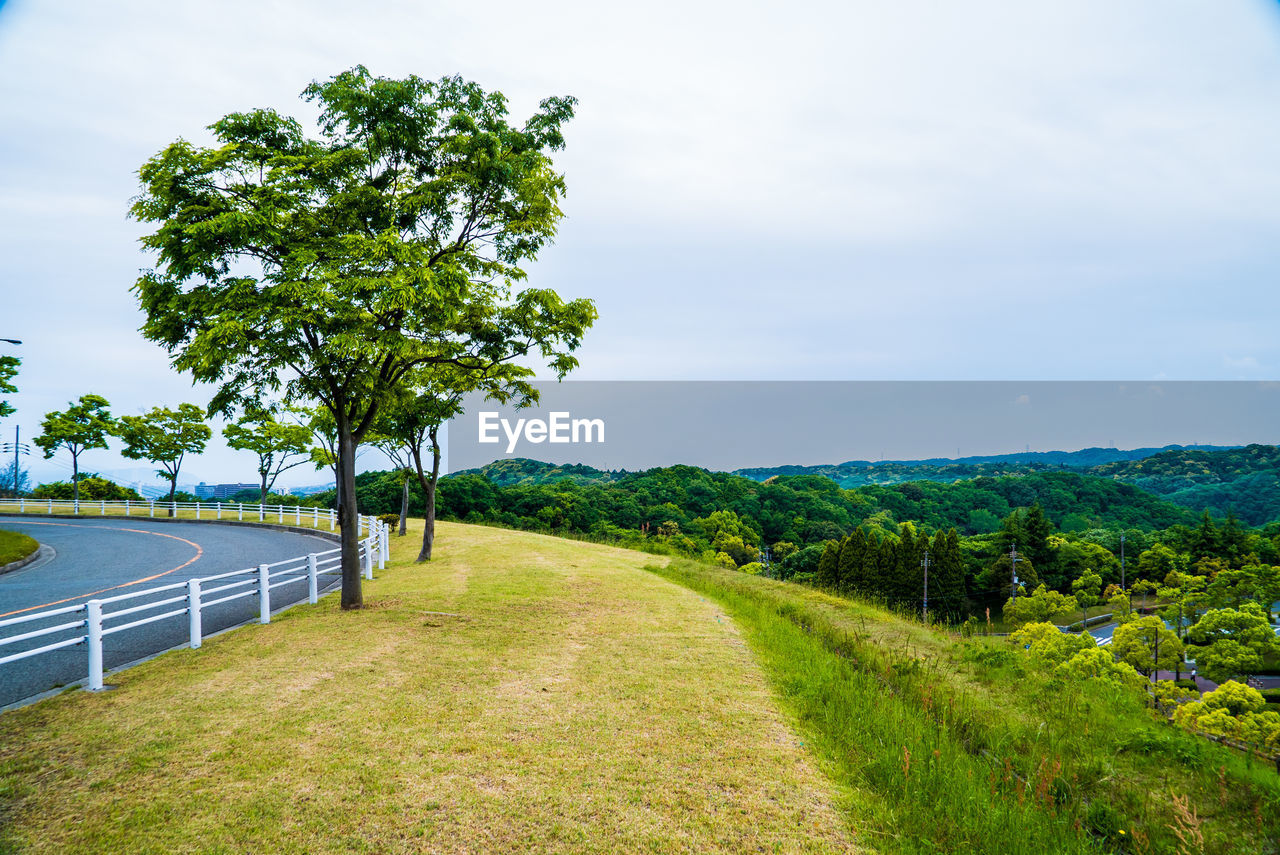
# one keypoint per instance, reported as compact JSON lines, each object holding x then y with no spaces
{"x":575,"y":704}
{"x":964,"y":747}
{"x":14,"y":546}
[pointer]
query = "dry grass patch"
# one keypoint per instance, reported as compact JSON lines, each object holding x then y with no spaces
{"x":574,"y":704}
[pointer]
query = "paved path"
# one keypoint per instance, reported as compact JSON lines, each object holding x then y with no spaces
{"x":103,"y":557}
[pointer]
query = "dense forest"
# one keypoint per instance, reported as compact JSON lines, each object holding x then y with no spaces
{"x":1061,"y":526}
{"x":1242,"y":481}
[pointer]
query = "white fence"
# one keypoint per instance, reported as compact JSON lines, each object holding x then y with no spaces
{"x":197,"y":510}
{"x":97,"y":618}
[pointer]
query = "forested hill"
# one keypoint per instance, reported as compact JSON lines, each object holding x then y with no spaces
{"x":1245,"y":480}
{"x":803,"y":509}
{"x":858,"y":473}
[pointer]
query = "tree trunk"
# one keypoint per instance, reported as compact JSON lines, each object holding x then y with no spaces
{"x":404,"y":506}
{"x":262,"y":493}
{"x":348,"y":516}
{"x":75,"y":481}
{"x":173,"y":488}
{"x":429,"y":491}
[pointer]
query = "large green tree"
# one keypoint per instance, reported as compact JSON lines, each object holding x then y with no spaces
{"x":83,"y":426}
{"x":279,"y":446}
{"x":166,"y":437}
{"x":328,"y":268}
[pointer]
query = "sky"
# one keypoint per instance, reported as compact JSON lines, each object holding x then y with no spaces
{"x":1058,"y":190}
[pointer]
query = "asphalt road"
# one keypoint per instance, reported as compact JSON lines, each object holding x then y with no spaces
{"x":103,"y":557}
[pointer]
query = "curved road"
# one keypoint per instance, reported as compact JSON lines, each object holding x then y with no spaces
{"x":103,"y":557}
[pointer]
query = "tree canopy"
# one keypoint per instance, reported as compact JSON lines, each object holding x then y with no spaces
{"x":83,"y":426}
{"x":328,"y":268}
{"x":165,"y":436}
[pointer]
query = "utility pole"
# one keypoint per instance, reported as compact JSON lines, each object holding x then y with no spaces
{"x":17,"y":447}
{"x":1013,"y":568}
{"x":1122,"y":561}
{"x":925,"y":564}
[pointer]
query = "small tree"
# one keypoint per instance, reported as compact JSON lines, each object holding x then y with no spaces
{"x":1147,"y":645}
{"x":165,"y":436}
{"x":1042,"y":605}
{"x":83,"y":426}
{"x":275,"y":443}
{"x":1234,"y":641}
{"x":409,"y":427}
{"x":1087,"y":591}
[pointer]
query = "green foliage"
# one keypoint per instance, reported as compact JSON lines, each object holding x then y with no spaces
{"x":332,"y":268}
{"x":1137,"y":642}
{"x":276,"y":445}
{"x":8,"y":370}
{"x":1231,"y":641}
{"x":1042,"y":605}
{"x":92,"y":489}
{"x":1235,"y":711}
{"x":83,"y":426}
{"x":165,"y":436}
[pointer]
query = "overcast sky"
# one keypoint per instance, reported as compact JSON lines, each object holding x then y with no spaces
{"x":869,"y":189}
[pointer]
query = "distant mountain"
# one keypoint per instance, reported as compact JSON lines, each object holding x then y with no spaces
{"x":522,"y":470}
{"x":859,"y":473}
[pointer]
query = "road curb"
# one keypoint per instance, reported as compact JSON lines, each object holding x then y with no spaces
{"x":41,"y":550}
{"x":296,"y":529}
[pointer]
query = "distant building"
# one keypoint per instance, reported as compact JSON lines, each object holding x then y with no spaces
{"x":218,"y":492}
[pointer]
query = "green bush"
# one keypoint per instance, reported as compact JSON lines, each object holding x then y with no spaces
{"x":92,"y":489}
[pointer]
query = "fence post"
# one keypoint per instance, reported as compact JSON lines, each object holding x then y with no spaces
{"x":264,"y":594}
{"x":297,"y":515}
{"x":75,"y":508}
{"x":315,"y":517}
{"x":51,"y":506}
{"x":104,"y":509}
{"x":193,"y":612}
{"x":173,"y":509}
{"x":153,"y":507}
{"x":279,"y":513}
{"x":126,"y":507}
{"x":22,"y":505}
{"x":313,"y":580}
{"x":368,"y":558}
{"x":241,"y":510}
{"x":261,"y":512}
{"x":93,"y":612}
{"x":383,"y":536}
{"x":197,"y":510}
{"x":332,"y":519}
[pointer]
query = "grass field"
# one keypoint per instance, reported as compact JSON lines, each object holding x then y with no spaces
{"x":519,"y":693}
{"x":965,"y":746}
{"x":15,"y":546}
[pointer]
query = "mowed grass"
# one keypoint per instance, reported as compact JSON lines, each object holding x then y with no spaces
{"x":15,"y":546}
{"x":567,"y":701}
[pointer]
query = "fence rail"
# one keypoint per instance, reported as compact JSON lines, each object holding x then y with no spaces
{"x":99,"y":618}
{"x":282,"y":514}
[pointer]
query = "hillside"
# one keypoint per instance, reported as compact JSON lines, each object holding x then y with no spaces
{"x":525,"y":693}
{"x":519,"y":694}
{"x":1244,"y":481}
